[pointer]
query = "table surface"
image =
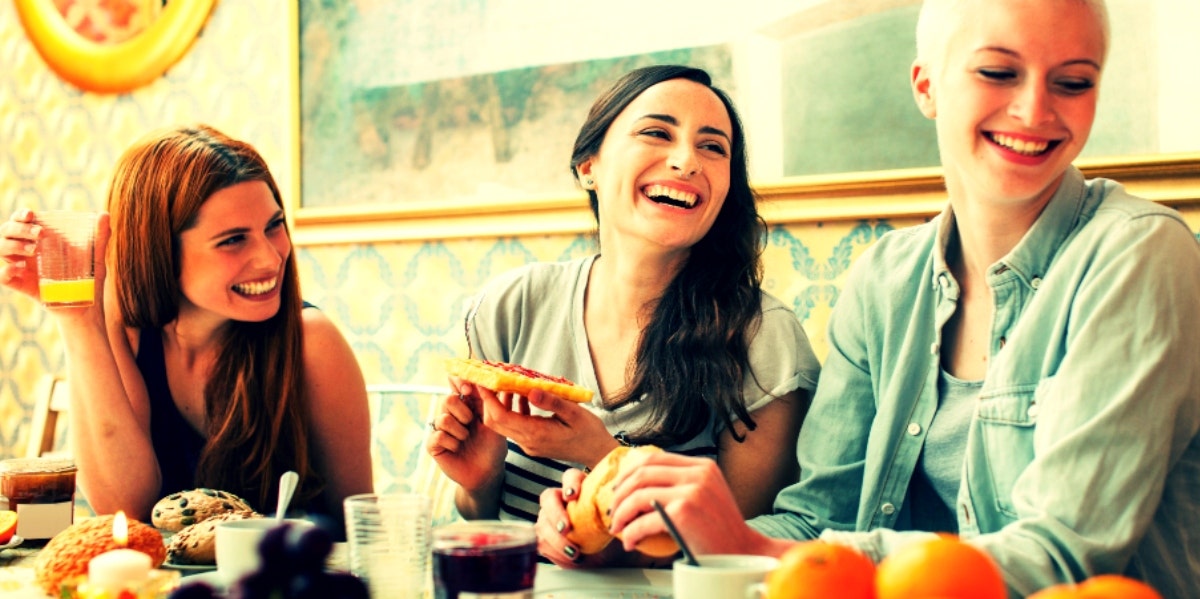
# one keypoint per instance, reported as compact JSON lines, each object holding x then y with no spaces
{"x":16,"y":578}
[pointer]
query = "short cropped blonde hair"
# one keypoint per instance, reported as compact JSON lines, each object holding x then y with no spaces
{"x":933,"y":25}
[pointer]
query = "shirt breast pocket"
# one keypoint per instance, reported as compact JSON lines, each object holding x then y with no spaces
{"x":1007,"y":418}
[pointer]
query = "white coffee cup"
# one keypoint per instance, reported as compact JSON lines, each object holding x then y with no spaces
{"x":237,"y":544}
{"x":720,"y":576}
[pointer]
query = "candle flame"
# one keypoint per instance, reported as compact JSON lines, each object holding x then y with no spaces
{"x":120,"y":529}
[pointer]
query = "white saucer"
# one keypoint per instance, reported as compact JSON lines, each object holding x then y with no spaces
{"x":13,"y":542}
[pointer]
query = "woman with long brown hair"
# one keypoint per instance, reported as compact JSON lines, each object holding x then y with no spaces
{"x":668,"y":324}
{"x":201,"y":366}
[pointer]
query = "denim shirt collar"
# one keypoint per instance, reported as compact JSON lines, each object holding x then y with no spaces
{"x":1030,"y":259}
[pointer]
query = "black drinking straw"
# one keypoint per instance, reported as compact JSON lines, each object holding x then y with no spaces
{"x":687,"y":553}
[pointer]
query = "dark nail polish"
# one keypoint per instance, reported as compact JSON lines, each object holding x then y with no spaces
{"x":569,"y":551}
{"x":562,"y":525}
{"x":569,"y":492}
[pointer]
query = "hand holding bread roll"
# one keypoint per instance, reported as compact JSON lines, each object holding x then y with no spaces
{"x":591,"y":514}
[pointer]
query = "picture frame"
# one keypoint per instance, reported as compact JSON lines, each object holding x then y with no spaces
{"x":806,"y":93}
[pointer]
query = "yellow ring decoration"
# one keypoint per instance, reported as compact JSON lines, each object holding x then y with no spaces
{"x":113,"y":68}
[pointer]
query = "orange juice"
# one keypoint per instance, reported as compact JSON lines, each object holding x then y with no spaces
{"x":76,"y":292}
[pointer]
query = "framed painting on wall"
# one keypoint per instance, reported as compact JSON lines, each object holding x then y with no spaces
{"x":430,"y":119}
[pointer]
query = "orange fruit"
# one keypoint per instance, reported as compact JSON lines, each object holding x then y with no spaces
{"x":942,"y":567}
{"x":1058,"y":591}
{"x":1113,"y":586}
{"x":8,"y":525}
{"x":820,"y":570}
{"x":1103,"y":586}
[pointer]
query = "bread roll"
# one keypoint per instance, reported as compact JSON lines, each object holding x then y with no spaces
{"x":591,"y":514}
{"x":66,"y":556}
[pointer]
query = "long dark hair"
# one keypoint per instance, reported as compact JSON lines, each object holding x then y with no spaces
{"x":693,"y":357}
{"x":254,"y":395}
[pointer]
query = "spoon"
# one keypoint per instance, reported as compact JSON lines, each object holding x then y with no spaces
{"x":688,"y":556}
{"x":287,"y":486}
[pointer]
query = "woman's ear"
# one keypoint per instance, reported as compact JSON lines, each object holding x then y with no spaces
{"x":583,"y":172}
{"x":923,"y":91}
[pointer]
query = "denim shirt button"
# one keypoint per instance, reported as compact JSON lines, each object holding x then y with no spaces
{"x":933,"y":348}
{"x":1035,"y":282}
{"x":1032,"y":411}
{"x":914,"y":429}
{"x":887,"y":509}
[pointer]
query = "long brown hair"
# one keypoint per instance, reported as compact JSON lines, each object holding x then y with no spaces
{"x":254,"y":397}
{"x":693,"y":357}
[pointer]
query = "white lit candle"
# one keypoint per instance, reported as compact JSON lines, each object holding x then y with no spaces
{"x":119,"y":568}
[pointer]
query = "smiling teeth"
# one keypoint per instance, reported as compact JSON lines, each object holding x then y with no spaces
{"x":680,"y":197}
{"x":1021,"y":146}
{"x":258,"y":288}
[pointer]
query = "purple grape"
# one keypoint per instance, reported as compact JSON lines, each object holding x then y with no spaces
{"x":193,"y":590}
{"x":308,"y":548}
{"x":346,"y":586}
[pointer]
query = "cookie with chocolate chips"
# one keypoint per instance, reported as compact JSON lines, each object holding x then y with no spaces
{"x":178,"y":510}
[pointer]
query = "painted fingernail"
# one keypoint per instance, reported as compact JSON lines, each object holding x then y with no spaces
{"x":561,"y":526}
{"x":36,"y":230}
{"x":569,"y":551}
{"x":568,"y":492}
{"x":30,"y":248}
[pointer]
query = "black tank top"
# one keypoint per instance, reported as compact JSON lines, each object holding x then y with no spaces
{"x":176,"y":444}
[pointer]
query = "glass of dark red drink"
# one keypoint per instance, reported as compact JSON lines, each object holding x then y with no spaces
{"x":489,"y":557}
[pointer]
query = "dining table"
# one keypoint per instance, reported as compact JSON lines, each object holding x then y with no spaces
{"x":551,"y":582}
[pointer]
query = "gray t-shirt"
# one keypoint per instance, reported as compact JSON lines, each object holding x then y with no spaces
{"x":533,"y":316}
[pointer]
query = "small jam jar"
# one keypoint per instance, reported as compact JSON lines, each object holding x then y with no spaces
{"x":42,"y":493}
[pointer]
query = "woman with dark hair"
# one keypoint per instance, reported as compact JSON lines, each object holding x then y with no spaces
{"x":668,"y":323}
{"x":201,"y":367}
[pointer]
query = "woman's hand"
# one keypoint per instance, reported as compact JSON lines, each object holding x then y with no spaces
{"x":18,"y":249}
{"x":471,"y":454}
{"x":570,"y":433}
{"x":696,"y":498}
{"x":553,"y":524}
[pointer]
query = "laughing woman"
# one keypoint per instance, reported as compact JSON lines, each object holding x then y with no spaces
{"x":201,"y":366}
{"x":668,"y":323}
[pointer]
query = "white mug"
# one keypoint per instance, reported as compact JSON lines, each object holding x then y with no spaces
{"x":720,"y":576}
{"x":237,"y":545}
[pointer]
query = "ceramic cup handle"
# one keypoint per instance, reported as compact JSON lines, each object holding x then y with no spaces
{"x":757,"y":590}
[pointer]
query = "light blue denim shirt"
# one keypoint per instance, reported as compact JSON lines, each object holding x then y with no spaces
{"x":1082,"y":456}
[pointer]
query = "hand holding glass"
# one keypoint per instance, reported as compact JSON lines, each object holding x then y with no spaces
{"x":66,"y":258}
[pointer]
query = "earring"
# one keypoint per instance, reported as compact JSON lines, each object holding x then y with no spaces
{"x":588,"y":183}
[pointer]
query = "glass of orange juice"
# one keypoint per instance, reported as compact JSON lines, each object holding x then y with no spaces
{"x":66,"y":264}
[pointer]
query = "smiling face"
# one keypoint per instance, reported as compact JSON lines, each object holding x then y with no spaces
{"x":1013,"y":92}
{"x":232,"y":259}
{"x":663,"y":169}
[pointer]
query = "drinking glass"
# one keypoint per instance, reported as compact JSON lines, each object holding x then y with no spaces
{"x":389,"y":539}
{"x":66,"y":262}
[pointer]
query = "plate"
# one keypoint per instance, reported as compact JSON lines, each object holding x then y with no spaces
{"x":187,"y":569}
{"x":213,"y":579}
{"x":13,"y":542}
{"x":609,"y":592}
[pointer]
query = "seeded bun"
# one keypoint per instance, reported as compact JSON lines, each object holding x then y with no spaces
{"x":591,"y":515}
{"x":66,"y":556}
